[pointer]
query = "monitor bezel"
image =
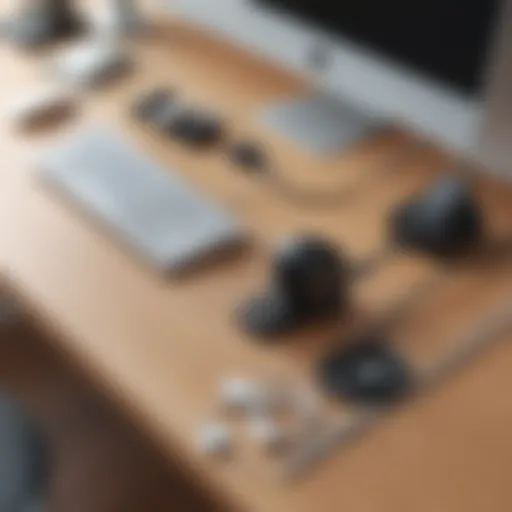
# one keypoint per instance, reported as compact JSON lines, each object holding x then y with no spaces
{"x":433,"y":109}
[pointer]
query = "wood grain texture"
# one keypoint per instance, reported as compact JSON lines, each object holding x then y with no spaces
{"x":159,"y":347}
{"x":97,"y":462}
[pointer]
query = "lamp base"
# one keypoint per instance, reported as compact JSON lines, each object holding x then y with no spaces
{"x":320,"y":123}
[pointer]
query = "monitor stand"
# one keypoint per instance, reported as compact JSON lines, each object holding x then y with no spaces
{"x":320,"y":123}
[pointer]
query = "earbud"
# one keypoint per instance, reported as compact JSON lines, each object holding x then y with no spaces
{"x":152,"y":107}
{"x":248,"y":156}
{"x":196,"y":127}
{"x":445,"y":220}
{"x":309,"y":279}
{"x":162,"y":109}
{"x":367,"y":372}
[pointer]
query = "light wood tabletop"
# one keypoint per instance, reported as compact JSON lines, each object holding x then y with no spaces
{"x":159,"y":346}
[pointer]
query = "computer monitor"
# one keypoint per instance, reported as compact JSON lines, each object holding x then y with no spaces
{"x":446,"y":40}
{"x":437,"y":66}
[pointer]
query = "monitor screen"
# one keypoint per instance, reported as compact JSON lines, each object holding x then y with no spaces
{"x":444,"y":39}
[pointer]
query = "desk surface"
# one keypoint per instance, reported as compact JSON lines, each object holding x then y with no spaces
{"x":161,"y":346}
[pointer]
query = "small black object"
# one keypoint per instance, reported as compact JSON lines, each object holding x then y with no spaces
{"x":444,"y":221}
{"x":309,"y":280}
{"x":152,"y":106}
{"x":269,"y":314}
{"x":23,"y":460}
{"x":248,"y":155}
{"x":195,"y":127}
{"x":45,"y":22}
{"x":366,"y":372}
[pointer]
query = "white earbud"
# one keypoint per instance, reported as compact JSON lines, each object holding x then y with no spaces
{"x":215,"y":439}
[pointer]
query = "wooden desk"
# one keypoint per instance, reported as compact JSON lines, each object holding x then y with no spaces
{"x":159,"y":346}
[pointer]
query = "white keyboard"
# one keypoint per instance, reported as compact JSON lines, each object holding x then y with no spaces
{"x":152,"y":209}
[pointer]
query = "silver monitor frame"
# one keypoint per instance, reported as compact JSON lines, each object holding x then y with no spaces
{"x":494,"y":141}
{"x":476,"y":128}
